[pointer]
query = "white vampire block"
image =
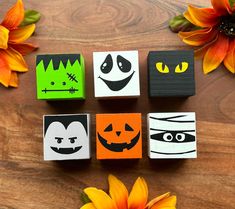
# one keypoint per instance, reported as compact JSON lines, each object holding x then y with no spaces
{"x":66,"y":137}
{"x":172,"y":135}
{"x":116,"y":74}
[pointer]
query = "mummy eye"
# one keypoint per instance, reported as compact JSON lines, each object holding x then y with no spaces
{"x":180,"y":137}
{"x":168,"y":137}
{"x":182,"y":67}
{"x":107,"y":65}
{"x":162,"y":68}
{"x":123,"y":64}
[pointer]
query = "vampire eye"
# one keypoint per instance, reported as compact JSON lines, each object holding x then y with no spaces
{"x":167,"y":137}
{"x":107,"y":65}
{"x":162,"y":68}
{"x":182,"y":67}
{"x":180,"y":137}
{"x":72,"y":139}
{"x":123,"y":64}
{"x":128,"y":128}
{"x":52,"y":83}
{"x":59,"y":139}
{"x":108,"y":128}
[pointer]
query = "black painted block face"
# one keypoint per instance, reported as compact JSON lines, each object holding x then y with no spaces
{"x":171,"y":73}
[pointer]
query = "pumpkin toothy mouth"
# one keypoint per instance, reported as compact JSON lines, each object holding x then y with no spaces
{"x":69,"y":150}
{"x":117,"y":85}
{"x":119,"y":147}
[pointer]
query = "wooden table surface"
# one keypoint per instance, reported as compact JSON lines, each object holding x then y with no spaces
{"x":26,"y":181}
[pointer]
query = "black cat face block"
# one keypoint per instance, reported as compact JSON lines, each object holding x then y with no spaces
{"x":171,"y":73}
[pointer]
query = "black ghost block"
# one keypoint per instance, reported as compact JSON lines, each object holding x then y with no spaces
{"x":171,"y":73}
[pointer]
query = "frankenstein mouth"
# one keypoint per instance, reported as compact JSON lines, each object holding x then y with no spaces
{"x":71,"y":90}
{"x":66,"y":150}
{"x":117,"y":85}
{"x":119,"y":147}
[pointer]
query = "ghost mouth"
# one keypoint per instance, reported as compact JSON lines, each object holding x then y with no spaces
{"x":117,"y":85}
{"x":70,"y":90}
{"x":173,"y":153}
{"x":65,"y":151}
{"x":119,"y":147}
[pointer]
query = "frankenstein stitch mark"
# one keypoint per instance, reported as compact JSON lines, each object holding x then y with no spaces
{"x":60,"y":76}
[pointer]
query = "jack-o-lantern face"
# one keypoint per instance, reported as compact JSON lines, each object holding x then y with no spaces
{"x":118,"y":136}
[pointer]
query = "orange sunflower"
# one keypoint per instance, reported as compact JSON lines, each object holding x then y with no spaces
{"x":120,"y":199}
{"x":216,"y":36}
{"x":12,"y":47}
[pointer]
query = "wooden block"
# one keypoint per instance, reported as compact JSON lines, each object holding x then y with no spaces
{"x":66,"y":137}
{"x":118,"y":136}
{"x":172,"y":135}
{"x":60,"y":76}
{"x":171,"y":73}
{"x":116,"y":74}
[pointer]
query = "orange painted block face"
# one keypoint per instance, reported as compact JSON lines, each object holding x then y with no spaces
{"x":118,"y":136}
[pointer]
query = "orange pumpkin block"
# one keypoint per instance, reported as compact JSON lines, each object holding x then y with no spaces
{"x":118,"y":136}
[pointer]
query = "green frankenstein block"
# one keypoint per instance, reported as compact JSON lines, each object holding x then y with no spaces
{"x":60,"y":76}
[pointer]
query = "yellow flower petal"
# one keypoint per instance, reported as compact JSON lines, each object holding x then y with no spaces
{"x":14,"y":59}
{"x":118,"y":192}
{"x":166,"y":203}
{"x":24,"y":48}
{"x":3,"y":37}
{"x":88,"y":206}
{"x":14,"y":16}
{"x":5,"y":72}
{"x":157,"y":199}
{"x":229,"y":60}
{"x":139,"y":195}
{"x":14,"y":81}
{"x":99,"y":198}
{"x":21,"y":34}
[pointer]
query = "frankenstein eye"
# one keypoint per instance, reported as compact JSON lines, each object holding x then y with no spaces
{"x":108,"y":128}
{"x":52,"y":83}
{"x":168,"y":137}
{"x":107,"y":65}
{"x":182,"y":67}
{"x":64,"y":83}
{"x":162,"y":68}
{"x":123,"y":64}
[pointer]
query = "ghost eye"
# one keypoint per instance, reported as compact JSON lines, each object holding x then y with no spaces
{"x":162,"y":68}
{"x":180,"y":137}
{"x":167,"y":137}
{"x":52,"y":83}
{"x":108,"y":128}
{"x":59,"y":139}
{"x":182,"y":67}
{"x":123,"y":64}
{"x":72,"y":139}
{"x":128,"y":128}
{"x":107,"y":65}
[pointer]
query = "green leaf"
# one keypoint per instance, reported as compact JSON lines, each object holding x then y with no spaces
{"x":30,"y":17}
{"x":232,"y":2}
{"x":85,"y":199}
{"x":180,"y":23}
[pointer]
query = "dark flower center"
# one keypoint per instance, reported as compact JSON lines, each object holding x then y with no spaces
{"x":227,"y":25}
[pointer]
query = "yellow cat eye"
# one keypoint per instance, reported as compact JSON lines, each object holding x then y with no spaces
{"x":182,"y":67}
{"x":162,"y":68}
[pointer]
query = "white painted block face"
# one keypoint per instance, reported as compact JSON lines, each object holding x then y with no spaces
{"x":66,"y":137}
{"x":116,"y":74}
{"x":172,"y":135}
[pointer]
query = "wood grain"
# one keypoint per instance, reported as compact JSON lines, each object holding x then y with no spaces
{"x":26,"y":181}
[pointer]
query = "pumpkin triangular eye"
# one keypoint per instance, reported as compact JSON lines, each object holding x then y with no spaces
{"x":128,"y":128}
{"x":108,"y":128}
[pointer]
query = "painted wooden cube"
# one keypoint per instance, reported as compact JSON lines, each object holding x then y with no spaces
{"x":116,"y":74}
{"x":172,"y":135}
{"x":60,"y":76}
{"x":66,"y":137}
{"x":171,"y":73}
{"x":118,"y":136}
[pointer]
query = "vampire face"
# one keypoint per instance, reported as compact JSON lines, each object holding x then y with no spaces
{"x":66,"y":137}
{"x":118,"y":136}
{"x":171,"y":73}
{"x":116,"y":73}
{"x":172,"y":135}
{"x":60,"y":76}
